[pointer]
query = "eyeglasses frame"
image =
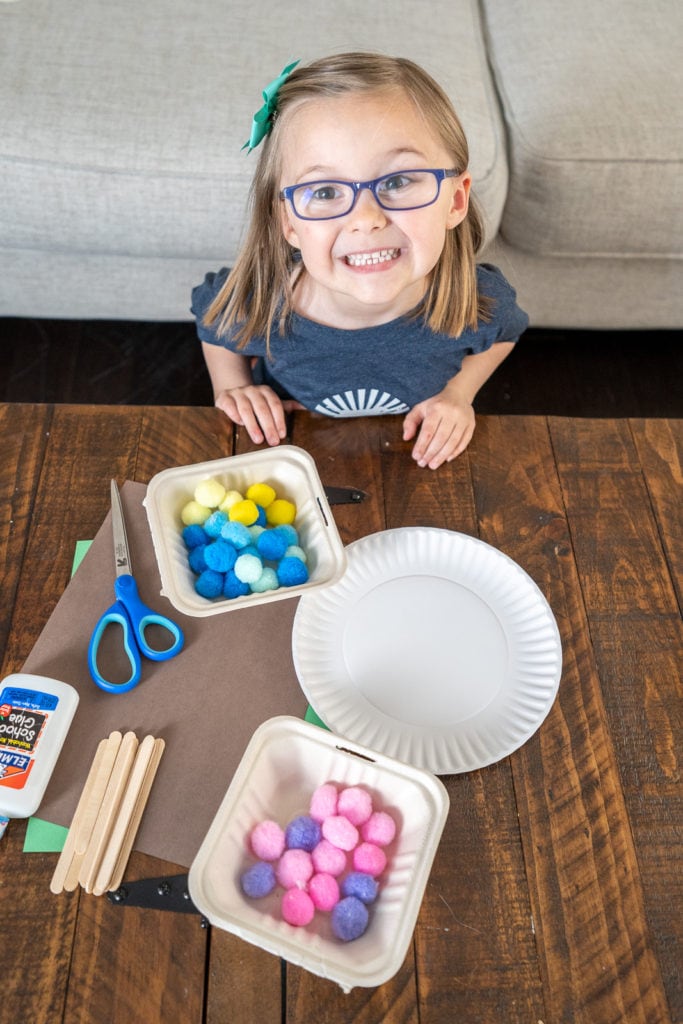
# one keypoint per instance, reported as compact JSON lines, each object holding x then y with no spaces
{"x":439,"y":173}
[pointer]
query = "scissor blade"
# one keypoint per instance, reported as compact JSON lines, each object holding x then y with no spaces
{"x":121,"y":550}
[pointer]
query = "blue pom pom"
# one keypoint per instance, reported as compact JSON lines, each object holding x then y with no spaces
{"x":271,"y":545}
{"x":303,"y":833}
{"x":215,"y":523}
{"x":194,"y":536}
{"x":291,"y":572}
{"x":209,"y":584}
{"x":234,"y":587}
{"x":220,"y":555}
{"x":349,"y":919}
{"x":261,"y":519}
{"x":196,"y":559}
{"x":361,"y":885}
{"x":236,"y":533}
{"x":259,"y":880}
{"x":287,"y":531}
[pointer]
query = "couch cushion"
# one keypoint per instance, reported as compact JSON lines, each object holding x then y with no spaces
{"x":591,"y":93}
{"x":123,"y":122}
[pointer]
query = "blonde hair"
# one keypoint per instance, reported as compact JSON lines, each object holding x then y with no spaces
{"x":259,"y":291}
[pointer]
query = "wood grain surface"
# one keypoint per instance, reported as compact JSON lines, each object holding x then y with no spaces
{"x":555,"y":894}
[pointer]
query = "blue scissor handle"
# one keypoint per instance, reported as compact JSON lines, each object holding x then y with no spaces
{"x":126,"y":589}
{"x":129,"y":612}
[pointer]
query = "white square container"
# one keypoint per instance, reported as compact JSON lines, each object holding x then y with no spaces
{"x":292,"y":473}
{"x":285,"y":761}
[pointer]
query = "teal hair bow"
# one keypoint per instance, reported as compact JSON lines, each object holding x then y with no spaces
{"x":263,"y":118}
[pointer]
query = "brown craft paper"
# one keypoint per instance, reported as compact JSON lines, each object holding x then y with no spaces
{"x":234,"y":672}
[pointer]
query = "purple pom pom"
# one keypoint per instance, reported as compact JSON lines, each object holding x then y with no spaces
{"x":361,"y":885}
{"x":303,"y":833}
{"x":349,"y":919}
{"x":259,"y":880}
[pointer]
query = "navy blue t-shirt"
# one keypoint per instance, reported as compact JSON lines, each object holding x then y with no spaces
{"x":367,"y":371}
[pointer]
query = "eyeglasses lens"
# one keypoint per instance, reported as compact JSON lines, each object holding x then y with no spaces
{"x":403,"y":190}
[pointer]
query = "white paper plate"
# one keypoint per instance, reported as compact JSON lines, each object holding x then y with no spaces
{"x":434,"y":648}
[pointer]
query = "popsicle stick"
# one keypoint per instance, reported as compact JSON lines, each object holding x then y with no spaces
{"x":124,"y":816}
{"x":134,"y":823}
{"x":108,"y":811}
{"x":91,"y":810}
{"x":69,"y":848}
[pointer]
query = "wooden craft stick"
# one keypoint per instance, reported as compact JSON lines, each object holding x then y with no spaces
{"x":89,"y":817}
{"x":134,"y":823}
{"x":108,"y":811}
{"x":68,"y":850}
{"x":124,"y":816}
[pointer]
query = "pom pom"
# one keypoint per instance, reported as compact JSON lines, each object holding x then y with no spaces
{"x":297,"y":907}
{"x":233,"y":587}
{"x":193,"y":535}
{"x":288,"y":531}
{"x":380,"y":829}
{"x":261,"y":517}
{"x":271,"y":545}
{"x":291,"y":572}
{"x":339,"y":831}
{"x":328,"y":859}
{"x":323,"y":802}
{"x":324,"y":891}
{"x":294,"y":869}
{"x":280,"y":512}
{"x":267,"y":581}
{"x":258,"y":880}
{"x":209,"y":583}
{"x":267,"y":840}
{"x":361,"y":885}
{"x":196,"y":559}
{"x":236,"y":534}
{"x":356,"y":804}
{"x":294,"y":551}
{"x":215,"y":523}
{"x":349,"y":919}
{"x":194,"y":513}
{"x":231,"y":498}
{"x":255,"y":532}
{"x":220,"y":555}
{"x":261,"y":494}
{"x":243,"y":512}
{"x":369,"y":858}
{"x":248,"y":568}
{"x":209,"y":492}
{"x":302,"y":833}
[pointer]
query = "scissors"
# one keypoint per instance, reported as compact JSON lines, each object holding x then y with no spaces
{"x":129,"y":612}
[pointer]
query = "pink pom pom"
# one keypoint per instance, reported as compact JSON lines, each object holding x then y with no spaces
{"x":339,"y":831}
{"x":356,"y":804}
{"x":294,"y":869}
{"x":267,"y":840}
{"x":369,"y":858}
{"x":380,"y":829}
{"x":324,"y":891}
{"x":328,"y":859}
{"x":324,"y":802}
{"x":297,"y":907}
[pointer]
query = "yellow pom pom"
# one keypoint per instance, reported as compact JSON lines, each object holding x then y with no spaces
{"x":281,"y":512}
{"x":231,"y":498}
{"x":194,"y":514}
{"x":263,"y":494}
{"x":243,"y":512}
{"x":210,"y":493}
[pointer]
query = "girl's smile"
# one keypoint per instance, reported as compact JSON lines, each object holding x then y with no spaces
{"x":371,"y":265}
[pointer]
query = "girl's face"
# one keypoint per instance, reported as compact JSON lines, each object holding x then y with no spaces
{"x":358,"y":137}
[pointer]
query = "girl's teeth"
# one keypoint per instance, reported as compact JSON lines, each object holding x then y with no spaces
{"x":365,"y":259}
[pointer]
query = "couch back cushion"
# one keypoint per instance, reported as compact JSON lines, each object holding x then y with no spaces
{"x":591,"y":93}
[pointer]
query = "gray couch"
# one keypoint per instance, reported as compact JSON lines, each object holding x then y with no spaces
{"x":122,"y":179}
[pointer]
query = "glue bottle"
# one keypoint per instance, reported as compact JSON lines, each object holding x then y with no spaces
{"x":35,"y":715}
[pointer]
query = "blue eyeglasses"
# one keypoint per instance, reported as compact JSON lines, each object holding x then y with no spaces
{"x":401,"y":190}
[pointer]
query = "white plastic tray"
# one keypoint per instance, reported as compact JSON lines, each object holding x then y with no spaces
{"x":285,"y":761}
{"x":293,"y":474}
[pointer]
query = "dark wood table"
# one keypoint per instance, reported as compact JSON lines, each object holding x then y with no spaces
{"x":555,"y":895}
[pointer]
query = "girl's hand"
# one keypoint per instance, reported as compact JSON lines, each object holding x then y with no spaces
{"x":445,"y":423}
{"x":258,"y":409}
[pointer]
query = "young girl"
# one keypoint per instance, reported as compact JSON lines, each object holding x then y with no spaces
{"x":356,"y":291}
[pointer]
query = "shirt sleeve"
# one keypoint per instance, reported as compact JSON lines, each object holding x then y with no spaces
{"x":202,"y":297}
{"x":507,"y":320}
